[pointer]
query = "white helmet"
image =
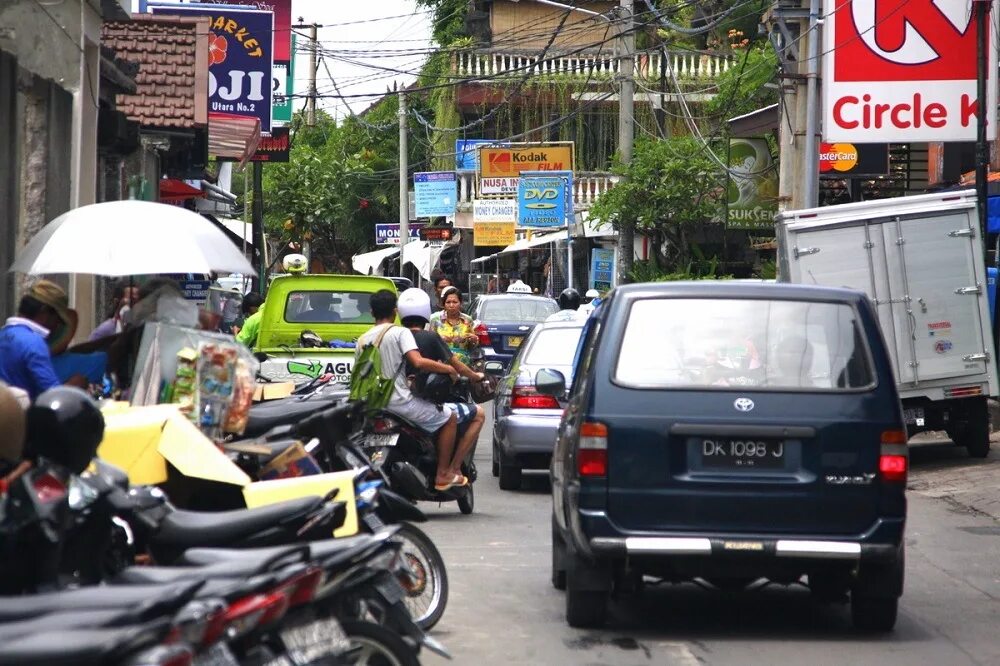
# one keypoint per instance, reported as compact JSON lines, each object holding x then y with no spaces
{"x":414,"y":302}
{"x":592,"y":293}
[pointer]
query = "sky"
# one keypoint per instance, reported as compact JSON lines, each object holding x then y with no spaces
{"x":351,"y":30}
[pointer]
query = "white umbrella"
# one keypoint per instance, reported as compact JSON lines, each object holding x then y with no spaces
{"x":130,"y":238}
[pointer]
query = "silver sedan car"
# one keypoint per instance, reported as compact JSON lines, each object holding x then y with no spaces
{"x":525,"y":421}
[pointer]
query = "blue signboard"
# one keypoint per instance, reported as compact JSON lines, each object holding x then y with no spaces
{"x":388,"y":234}
{"x":467,"y":152}
{"x":435,"y":193}
{"x":240,"y":57}
{"x":195,"y":290}
{"x":544,"y":198}
{"x":602,"y":268}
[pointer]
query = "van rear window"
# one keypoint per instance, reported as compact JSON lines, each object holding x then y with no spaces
{"x":719,"y":343}
{"x":328,"y":307}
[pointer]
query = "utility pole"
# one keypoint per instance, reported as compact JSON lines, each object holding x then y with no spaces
{"x":258,"y":226}
{"x":626,"y":128}
{"x":404,"y":181}
{"x":982,"y":146}
{"x":810,"y":154}
{"x":311,"y":103}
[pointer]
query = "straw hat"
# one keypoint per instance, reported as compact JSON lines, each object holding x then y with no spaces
{"x":11,"y":425}
{"x":53,"y":296}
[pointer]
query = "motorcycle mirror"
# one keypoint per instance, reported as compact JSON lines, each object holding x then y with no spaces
{"x":494,"y":368}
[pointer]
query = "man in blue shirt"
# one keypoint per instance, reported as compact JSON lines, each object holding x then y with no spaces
{"x":43,"y":319}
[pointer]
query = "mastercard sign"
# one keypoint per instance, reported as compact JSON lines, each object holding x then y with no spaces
{"x":842,"y":160}
{"x":839,"y":157}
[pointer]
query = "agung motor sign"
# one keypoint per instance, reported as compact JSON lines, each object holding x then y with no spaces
{"x":902,"y":70}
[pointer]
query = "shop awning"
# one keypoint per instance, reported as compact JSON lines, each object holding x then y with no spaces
{"x":173,"y":190}
{"x":535,"y":241}
{"x":370,"y":263}
{"x":756,"y":122}
{"x":233,"y":137}
{"x":422,"y":256}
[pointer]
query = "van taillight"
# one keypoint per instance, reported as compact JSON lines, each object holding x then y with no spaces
{"x":894,"y":457}
{"x":526,"y":397}
{"x":484,"y":336}
{"x":592,"y":453}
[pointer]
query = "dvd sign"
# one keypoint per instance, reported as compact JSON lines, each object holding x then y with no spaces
{"x":902,"y":70}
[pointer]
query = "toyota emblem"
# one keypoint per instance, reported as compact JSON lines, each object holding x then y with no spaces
{"x":743,"y":404}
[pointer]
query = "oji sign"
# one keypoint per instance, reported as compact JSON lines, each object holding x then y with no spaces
{"x":903,"y":70}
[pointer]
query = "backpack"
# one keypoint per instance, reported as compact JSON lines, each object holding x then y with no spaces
{"x":368,"y":383}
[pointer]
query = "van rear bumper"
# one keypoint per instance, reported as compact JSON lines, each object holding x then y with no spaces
{"x":879,"y":543}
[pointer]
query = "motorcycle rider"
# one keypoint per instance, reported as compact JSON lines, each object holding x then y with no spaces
{"x":569,"y":303}
{"x":414,"y":311}
{"x":593,"y":300}
{"x":397,"y":346}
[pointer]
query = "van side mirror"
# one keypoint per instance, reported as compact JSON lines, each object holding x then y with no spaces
{"x":494,"y":368}
{"x":550,"y":382}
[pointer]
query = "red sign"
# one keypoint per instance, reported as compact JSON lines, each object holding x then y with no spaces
{"x":902,"y":70}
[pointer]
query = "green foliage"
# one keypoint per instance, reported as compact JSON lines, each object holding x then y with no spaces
{"x":742,"y":88}
{"x":449,"y":18}
{"x":340,"y":180}
{"x":768,"y":270}
{"x":670,"y":187}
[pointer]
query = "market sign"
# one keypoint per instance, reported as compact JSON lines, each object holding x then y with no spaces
{"x":510,"y":161}
{"x":494,"y":210}
{"x":896,"y":71}
{"x":752,"y":193}
{"x":493,"y":234}
{"x":847,"y":160}
{"x":544,"y":200}
{"x":435,"y":193}
{"x":240,"y":58}
{"x":388,"y":234}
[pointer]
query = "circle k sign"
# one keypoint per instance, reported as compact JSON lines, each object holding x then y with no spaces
{"x":903,"y":70}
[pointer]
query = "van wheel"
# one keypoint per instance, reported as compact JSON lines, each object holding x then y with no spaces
{"x":975,"y":435}
{"x":558,"y":558}
{"x":873,"y":613}
{"x":510,"y":476}
{"x":586,"y":609}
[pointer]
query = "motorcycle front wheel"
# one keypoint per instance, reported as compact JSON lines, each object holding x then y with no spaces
{"x":427,"y":586}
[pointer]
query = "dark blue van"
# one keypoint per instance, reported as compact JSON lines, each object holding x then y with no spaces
{"x":730,"y":432}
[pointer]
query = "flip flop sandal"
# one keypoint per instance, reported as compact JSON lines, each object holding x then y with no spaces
{"x":457,"y":480}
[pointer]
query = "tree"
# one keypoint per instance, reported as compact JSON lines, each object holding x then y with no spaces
{"x":669,"y":188}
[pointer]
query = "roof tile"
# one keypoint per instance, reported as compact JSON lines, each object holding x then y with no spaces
{"x":166,"y":50}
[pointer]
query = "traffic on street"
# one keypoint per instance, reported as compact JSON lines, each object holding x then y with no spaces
{"x":499,"y":332}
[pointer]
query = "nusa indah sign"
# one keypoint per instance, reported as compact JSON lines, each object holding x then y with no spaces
{"x":902,"y":70}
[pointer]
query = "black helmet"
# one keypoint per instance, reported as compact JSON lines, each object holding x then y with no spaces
{"x":569,"y":299}
{"x":432,"y":386}
{"x":66,"y":427}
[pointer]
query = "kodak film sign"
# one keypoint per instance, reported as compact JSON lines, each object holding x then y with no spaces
{"x":902,"y":70}
{"x":510,"y":161}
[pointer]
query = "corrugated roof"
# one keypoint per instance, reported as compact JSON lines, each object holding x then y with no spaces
{"x":172,"y":55}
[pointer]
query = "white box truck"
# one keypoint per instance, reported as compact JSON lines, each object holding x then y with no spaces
{"x":920,"y":260}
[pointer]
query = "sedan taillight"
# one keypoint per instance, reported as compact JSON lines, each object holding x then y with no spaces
{"x":526,"y":397}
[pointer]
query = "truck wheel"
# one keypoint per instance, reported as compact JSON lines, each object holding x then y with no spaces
{"x":975,"y":436}
{"x":558,"y":558}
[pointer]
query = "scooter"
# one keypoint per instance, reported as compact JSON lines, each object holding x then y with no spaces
{"x":407,"y":456}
